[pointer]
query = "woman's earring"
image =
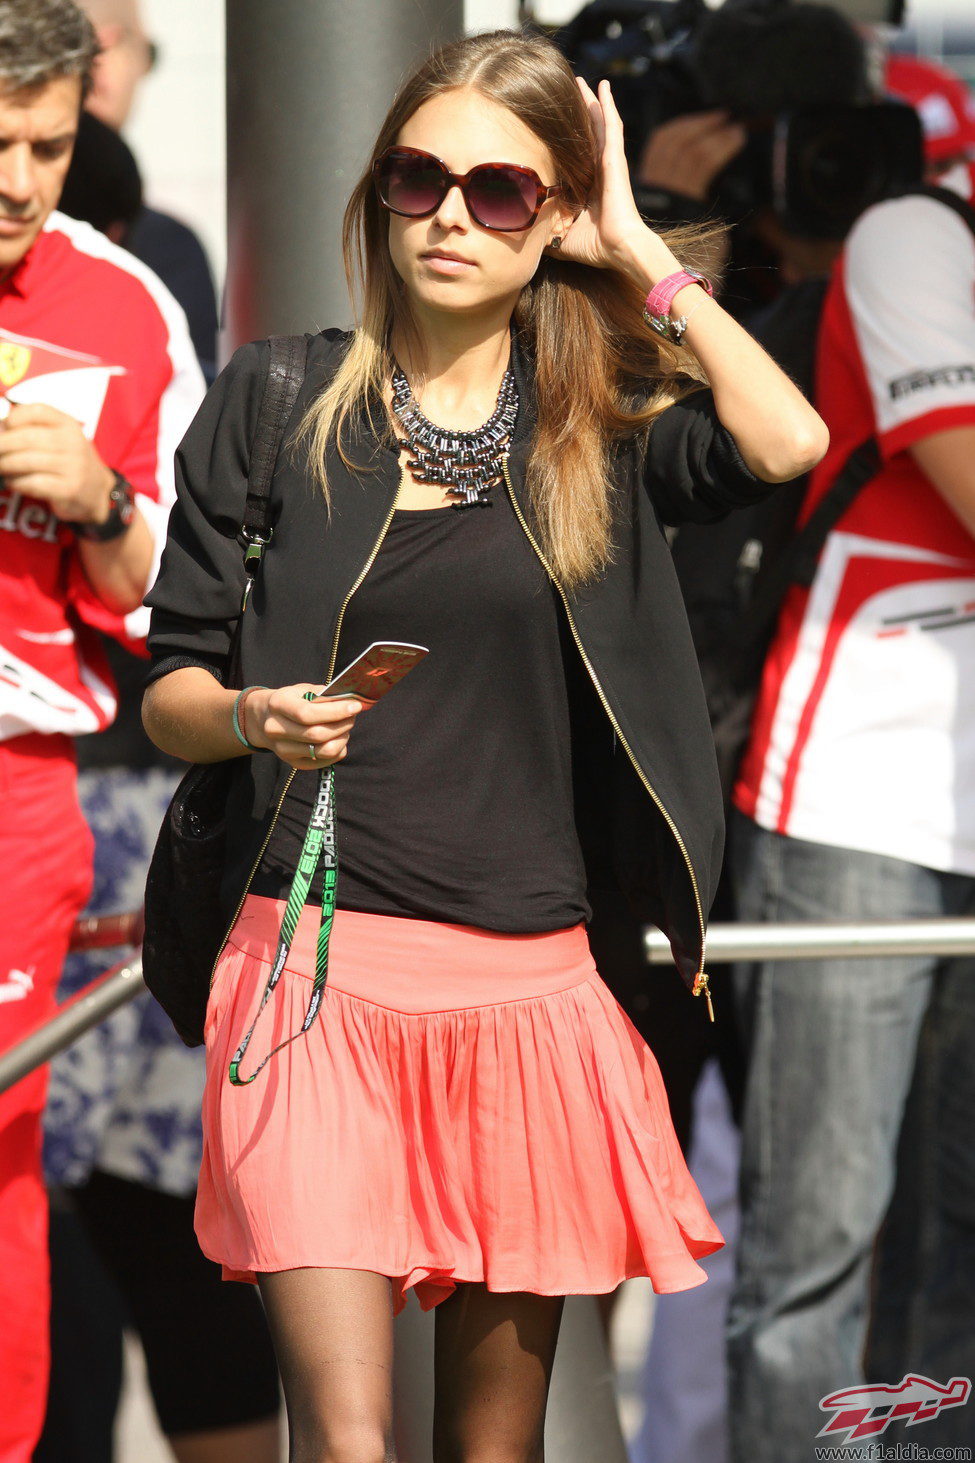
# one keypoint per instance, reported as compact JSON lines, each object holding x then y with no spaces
{"x":556,"y":242}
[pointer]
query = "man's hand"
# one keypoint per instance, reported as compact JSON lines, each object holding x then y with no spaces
{"x":45,"y":455}
{"x":686,"y":154}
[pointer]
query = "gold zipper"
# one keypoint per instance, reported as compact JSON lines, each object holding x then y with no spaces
{"x":329,"y":674}
{"x":701,"y":980}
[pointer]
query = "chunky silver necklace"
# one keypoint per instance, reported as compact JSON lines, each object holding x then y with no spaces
{"x":467,"y":465}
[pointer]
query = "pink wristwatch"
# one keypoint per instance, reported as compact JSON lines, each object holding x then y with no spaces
{"x":656,"y":311}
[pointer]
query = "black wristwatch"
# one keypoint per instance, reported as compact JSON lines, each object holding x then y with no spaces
{"x":121,"y":512}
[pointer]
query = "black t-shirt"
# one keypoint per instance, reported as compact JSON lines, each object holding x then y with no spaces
{"x":455,"y":800}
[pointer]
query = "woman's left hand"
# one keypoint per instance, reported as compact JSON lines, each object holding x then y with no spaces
{"x":609,"y":229}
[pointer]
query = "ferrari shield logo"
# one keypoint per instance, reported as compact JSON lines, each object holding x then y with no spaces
{"x":14,"y":363}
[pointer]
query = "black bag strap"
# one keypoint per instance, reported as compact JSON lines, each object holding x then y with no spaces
{"x":286,"y":369}
{"x":860,"y":467}
{"x":797,"y":562}
{"x":950,"y":199}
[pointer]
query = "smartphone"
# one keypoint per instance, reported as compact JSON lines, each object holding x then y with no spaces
{"x":374,"y":672}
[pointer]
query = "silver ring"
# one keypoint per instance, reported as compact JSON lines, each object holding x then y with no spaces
{"x":312,"y":751}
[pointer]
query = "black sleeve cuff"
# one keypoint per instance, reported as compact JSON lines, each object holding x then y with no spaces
{"x":694,"y":471}
{"x":167,"y":663}
{"x":732,"y":467}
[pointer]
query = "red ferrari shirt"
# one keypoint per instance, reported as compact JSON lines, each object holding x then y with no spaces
{"x":864,"y":734}
{"x":85,"y":328}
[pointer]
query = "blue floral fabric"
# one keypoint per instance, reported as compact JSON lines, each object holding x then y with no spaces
{"x":126,"y":1097}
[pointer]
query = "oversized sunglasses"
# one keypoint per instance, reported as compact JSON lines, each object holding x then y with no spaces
{"x":500,"y":196}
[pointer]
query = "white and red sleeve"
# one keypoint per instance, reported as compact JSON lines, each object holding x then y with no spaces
{"x":909,"y":282}
{"x":146,"y":413}
{"x":149,"y":462}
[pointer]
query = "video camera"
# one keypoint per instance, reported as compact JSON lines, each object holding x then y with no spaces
{"x":819,"y":151}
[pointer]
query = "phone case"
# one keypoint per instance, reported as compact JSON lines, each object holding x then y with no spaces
{"x":376,"y":671}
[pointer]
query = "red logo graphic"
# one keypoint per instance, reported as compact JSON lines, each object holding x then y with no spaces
{"x":865,"y":1412}
{"x":37,"y":371}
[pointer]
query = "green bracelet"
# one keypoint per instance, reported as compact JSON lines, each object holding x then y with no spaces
{"x":235,"y":719}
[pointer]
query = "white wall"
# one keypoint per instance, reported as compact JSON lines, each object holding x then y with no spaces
{"x":490,"y":14}
{"x":177,"y":126}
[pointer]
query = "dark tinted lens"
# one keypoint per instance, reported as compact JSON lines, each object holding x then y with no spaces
{"x":411,"y":185}
{"x":501,"y":198}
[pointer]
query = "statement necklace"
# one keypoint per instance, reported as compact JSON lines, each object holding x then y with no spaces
{"x":467,"y":465}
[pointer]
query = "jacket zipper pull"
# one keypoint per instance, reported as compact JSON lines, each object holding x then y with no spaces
{"x":702,"y":988}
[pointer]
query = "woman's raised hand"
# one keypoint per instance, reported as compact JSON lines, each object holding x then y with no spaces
{"x":609,"y":229}
{"x":284,"y":723}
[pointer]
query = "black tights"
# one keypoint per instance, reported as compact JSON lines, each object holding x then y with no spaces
{"x":493,"y":1357}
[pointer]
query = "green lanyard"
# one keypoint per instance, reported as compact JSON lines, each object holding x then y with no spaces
{"x":319,"y":846}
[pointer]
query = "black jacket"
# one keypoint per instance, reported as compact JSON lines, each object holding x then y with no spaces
{"x":649,"y":807}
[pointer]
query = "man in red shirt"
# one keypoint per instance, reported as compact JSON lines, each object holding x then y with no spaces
{"x":99,"y":380}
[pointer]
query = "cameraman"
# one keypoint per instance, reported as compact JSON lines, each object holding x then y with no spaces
{"x":742,"y":68}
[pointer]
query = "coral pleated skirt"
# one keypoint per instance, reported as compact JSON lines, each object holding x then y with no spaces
{"x":468,"y":1106}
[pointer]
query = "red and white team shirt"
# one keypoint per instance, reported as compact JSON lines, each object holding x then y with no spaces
{"x":88,"y":329}
{"x":864,"y":735}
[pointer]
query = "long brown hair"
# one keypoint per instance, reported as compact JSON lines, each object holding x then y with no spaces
{"x":600,"y":373}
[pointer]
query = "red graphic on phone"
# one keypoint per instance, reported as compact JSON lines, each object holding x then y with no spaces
{"x":374,"y":672}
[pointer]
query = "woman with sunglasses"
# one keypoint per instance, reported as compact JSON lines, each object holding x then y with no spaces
{"x":482,"y":467}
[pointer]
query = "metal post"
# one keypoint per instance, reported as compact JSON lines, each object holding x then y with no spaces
{"x":308,"y":84}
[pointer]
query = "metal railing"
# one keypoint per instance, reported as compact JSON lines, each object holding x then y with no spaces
{"x":856,"y":940}
{"x":106,"y":931}
{"x":94,"y":1004}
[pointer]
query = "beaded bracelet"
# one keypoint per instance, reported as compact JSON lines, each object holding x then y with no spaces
{"x":235,"y":718}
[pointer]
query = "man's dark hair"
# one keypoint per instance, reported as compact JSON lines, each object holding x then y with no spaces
{"x":43,"y":40}
{"x":103,"y":186}
{"x":760,"y":57}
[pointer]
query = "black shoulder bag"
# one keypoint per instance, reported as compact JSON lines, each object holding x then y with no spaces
{"x":185,"y":920}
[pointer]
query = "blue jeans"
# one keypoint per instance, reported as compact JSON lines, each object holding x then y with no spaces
{"x":831,"y":1047}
